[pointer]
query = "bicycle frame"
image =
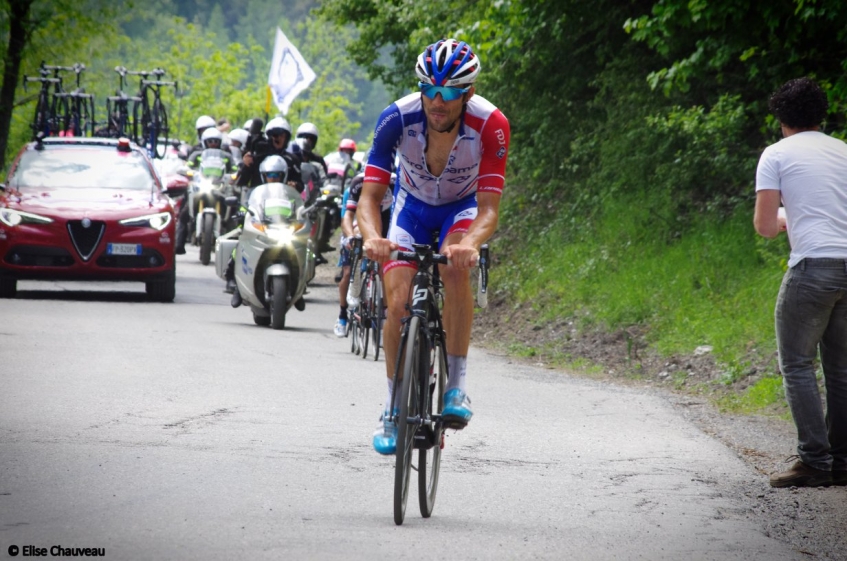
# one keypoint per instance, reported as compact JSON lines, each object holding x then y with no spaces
{"x":426,"y":300}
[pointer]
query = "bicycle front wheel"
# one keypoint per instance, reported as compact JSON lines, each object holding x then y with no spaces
{"x":414,"y":351}
{"x":378,"y":308}
{"x":429,"y":461}
{"x":364,"y":310}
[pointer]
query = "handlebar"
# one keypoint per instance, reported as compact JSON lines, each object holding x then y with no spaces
{"x":424,"y":252}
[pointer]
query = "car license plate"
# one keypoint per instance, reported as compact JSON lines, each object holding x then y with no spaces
{"x":124,"y":249}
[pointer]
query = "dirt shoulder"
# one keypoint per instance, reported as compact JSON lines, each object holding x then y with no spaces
{"x":813,"y":521}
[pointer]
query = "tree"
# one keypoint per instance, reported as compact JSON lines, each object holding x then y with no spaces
{"x":30,"y":23}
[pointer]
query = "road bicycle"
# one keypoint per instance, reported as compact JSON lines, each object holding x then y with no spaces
{"x":423,"y":378}
{"x":120,"y":122}
{"x":354,"y":300}
{"x":74,"y":109}
{"x":371,"y":307}
{"x":44,"y":120}
{"x":149,"y":113}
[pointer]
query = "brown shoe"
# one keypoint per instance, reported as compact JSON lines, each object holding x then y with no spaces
{"x":801,"y":475}
{"x":839,"y":477}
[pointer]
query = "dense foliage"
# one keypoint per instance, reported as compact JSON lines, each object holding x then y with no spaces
{"x":636,"y":128}
{"x":218,"y":52}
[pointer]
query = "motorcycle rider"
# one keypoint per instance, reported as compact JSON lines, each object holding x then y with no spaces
{"x":307,"y":139}
{"x":237,"y":140}
{"x":275,"y":141}
{"x":210,"y":138}
{"x":273,"y":171}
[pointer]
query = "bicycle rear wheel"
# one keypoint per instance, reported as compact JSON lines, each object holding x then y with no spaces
{"x":429,"y":461}
{"x":414,"y":351}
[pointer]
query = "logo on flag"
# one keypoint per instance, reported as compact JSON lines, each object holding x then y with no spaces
{"x":290,"y":74}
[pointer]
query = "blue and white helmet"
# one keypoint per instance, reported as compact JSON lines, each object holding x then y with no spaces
{"x":448,"y":63}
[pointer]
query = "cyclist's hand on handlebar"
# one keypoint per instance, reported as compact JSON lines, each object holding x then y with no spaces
{"x":461,"y":256}
{"x":379,"y":249}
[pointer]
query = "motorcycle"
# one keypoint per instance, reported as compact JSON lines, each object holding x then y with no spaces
{"x":206,"y":202}
{"x":274,"y":259}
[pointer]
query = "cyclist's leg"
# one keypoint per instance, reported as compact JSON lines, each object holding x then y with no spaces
{"x":341,"y":323}
{"x":398,"y":276}
{"x":458,"y":311}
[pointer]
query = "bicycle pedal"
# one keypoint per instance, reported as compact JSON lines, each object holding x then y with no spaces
{"x":454,"y":424}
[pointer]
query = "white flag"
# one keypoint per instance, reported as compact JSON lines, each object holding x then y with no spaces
{"x":289,"y":74}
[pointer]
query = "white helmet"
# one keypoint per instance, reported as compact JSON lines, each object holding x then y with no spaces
{"x":204,"y":122}
{"x":247,"y":124}
{"x":273,"y":163}
{"x":307,"y":128}
{"x":276,"y":125}
{"x":239,"y":135}
{"x":211,"y":134}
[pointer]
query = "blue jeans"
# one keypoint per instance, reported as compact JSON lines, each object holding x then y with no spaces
{"x":811,"y":313}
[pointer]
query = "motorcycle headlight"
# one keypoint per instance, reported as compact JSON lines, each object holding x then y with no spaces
{"x":158,"y":221}
{"x":281,"y":236}
{"x":12,"y":218}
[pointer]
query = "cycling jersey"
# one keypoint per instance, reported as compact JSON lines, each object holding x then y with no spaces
{"x":352,"y":201}
{"x":477,"y":162}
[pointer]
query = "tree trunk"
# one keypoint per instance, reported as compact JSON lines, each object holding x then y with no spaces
{"x":18,"y":36}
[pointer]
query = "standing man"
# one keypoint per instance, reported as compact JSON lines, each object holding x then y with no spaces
{"x":452,"y":147}
{"x":807,"y":171}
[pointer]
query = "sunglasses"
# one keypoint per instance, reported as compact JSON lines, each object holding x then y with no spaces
{"x":273,"y":175}
{"x":447,"y":93}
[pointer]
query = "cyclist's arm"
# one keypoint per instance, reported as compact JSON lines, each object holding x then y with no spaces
{"x":492,"y":170}
{"x":464,"y":255}
{"x":369,"y":210}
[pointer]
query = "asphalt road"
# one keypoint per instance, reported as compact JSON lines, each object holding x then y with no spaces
{"x":184,"y":431}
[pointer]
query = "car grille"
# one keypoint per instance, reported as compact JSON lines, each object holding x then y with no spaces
{"x":38,"y":256}
{"x":85,"y":239}
{"x":149,"y":259}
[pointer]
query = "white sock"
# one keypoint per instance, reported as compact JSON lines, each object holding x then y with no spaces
{"x":388,"y":397}
{"x":457,"y":366}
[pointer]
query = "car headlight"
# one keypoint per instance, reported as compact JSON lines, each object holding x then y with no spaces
{"x":158,"y":221}
{"x":12,"y":218}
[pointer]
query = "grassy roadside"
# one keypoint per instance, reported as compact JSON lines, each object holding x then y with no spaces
{"x":692,"y":311}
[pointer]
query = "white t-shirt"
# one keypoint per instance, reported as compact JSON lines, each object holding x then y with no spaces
{"x":809,"y":169}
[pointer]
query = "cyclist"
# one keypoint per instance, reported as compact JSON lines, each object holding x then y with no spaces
{"x":452,"y":147}
{"x":307,"y":139}
{"x":349,"y":228}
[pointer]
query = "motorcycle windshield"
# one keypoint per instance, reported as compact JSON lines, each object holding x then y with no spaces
{"x":278,"y":211}
{"x":212,"y":164}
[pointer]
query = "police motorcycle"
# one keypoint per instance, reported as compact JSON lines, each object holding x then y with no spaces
{"x":328,"y":201}
{"x":211,"y":184}
{"x":274,"y":255}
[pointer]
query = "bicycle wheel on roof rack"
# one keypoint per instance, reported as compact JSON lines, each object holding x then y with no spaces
{"x":42,"y":116}
{"x":61,"y":116}
{"x":88,"y":117}
{"x":158,"y":127}
{"x":139,"y":117}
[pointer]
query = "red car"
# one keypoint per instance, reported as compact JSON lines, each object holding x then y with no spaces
{"x":86,"y":209}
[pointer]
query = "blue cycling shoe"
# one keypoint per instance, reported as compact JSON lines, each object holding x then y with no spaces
{"x":385,"y":437}
{"x":457,"y":406}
